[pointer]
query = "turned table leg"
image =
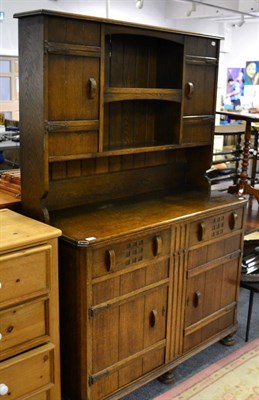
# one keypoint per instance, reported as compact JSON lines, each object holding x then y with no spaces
{"x":243,"y":187}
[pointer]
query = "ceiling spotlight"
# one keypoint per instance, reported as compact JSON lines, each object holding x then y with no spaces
{"x":242,"y":21}
{"x":139,"y":4}
{"x":193,"y":9}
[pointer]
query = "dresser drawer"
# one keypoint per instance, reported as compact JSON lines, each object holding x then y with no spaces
{"x":118,"y":285}
{"x":216,"y":226}
{"x":24,"y":274}
{"x":23,"y":327}
{"x":28,"y":374}
{"x":221,"y":248}
{"x":121,"y":255}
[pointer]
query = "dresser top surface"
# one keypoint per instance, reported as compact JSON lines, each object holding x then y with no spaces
{"x":113,"y":219}
{"x":17,"y":231}
{"x":107,"y":21}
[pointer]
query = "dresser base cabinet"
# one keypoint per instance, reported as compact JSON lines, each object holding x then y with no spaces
{"x":144,"y":285}
{"x":29,"y":309}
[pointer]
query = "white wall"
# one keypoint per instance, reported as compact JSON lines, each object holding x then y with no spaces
{"x":241,"y":44}
{"x":153,"y":13}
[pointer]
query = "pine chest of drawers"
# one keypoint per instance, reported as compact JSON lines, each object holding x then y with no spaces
{"x":29,"y":309}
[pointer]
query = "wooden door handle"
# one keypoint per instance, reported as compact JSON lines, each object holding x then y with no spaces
{"x":111,"y":260}
{"x":158,"y":244}
{"x":153,"y":318}
{"x":92,"y":88}
{"x":233,"y":220}
{"x":189,"y":90}
{"x":197,"y":298}
{"x":201,"y":231}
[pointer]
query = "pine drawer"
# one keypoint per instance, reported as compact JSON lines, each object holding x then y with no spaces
{"x":24,"y":274}
{"x":28,"y":375}
{"x":23,"y":327}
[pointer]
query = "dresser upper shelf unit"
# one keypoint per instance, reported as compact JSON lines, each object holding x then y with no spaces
{"x":105,"y":103}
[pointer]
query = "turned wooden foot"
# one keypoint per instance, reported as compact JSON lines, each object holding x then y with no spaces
{"x":168,"y":377}
{"x":228,"y":340}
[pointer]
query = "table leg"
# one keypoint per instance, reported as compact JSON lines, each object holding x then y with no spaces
{"x":243,"y":187}
{"x":250,"y":307}
{"x":255,"y":156}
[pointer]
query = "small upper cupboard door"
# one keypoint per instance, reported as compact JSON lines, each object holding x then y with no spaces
{"x":200,"y":83}
{"x":199,"y":88}
{"x":200,"y":80}
{"x":72,"y":68}
{"x":73,"y":104}
{"x":73,"y":85}
{"x":73,"y":49}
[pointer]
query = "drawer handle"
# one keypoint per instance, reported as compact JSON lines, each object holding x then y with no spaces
{"x":201,"y":231}
{"x":111,"y":260}
{"x":197,"y":298}
{"x":153,"y":318}
{"x":189,"y":90}
{"x":3,"y":389}
{"x":233,"y":220}
{"x":92,"y":88}
{"x":158,"y":245}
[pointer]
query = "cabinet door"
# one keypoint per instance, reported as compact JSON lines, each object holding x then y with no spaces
{"x":125,"y":337}
{"x":214,"y":257}
{"x":73,"y":69}
{"x":210,"y":301}
{"x":201,"y":61}
{"x":73,"y":102}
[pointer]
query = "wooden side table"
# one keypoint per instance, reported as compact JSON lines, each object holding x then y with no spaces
{"x":235,"y":131}
{"x":243,"y":187}
{"x":255,"y":131}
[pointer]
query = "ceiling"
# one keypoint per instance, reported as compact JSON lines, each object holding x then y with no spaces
{"x":233,"y":11}
{"x":230,"y":11}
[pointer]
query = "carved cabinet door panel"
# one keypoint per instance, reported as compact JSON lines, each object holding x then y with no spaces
{"x":211,"y":301}
{"x":201,"y":63}
{"x":128,"y":340}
